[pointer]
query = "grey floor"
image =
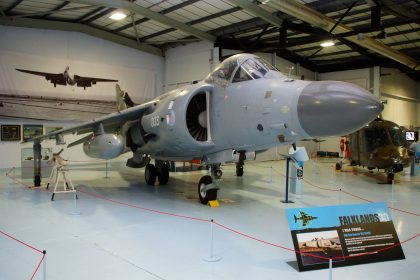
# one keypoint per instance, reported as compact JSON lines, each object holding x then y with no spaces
{"x":110,"y":235}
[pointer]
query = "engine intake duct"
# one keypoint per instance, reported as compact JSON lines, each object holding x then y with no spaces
{"x":196,"y":117}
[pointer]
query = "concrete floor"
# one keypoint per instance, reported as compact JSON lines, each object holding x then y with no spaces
{"x":108,"y":235}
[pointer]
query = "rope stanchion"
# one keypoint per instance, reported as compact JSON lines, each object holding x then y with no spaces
{"x":211,"y":257}
{"x":45,"y":264}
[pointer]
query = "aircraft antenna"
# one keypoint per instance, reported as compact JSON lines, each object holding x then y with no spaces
{"x":289,"y":75}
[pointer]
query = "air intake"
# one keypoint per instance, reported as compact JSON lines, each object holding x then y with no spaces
{"x":197,"y":117}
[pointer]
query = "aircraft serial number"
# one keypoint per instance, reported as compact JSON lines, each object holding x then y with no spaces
{"x":154,"y":121}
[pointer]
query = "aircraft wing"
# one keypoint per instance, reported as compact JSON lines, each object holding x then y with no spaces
{"x":53,"y":78}
{"x":110,"y":123}
{"x":88,"y":81}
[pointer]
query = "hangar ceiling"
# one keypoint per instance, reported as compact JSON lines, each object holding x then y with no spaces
{"x":365,"y":32}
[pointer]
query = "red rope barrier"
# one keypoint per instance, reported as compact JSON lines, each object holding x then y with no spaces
{"x":143,"y":208}
{"x":233,"y":230}
{"x":350,"y":194}
{"x":238,"y":232}
{"x":39,"y":265}
{"x":309,"y":254}
{"x":21,"y":242}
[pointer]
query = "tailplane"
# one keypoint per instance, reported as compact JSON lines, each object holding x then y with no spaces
{"x":123,"y":99}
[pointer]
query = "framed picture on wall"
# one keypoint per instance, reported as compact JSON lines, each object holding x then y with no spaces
{"x":10,"y":132}
{"x":32,"y":130}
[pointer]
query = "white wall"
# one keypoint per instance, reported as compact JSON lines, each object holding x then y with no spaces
{"x":402,"y":98}
{"x":53,"y":45}
{"x":51,"y":51}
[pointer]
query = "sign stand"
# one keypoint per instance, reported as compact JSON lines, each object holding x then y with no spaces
{"x":106,"y":170}
{"x":330,"y":270}
{"x":286,"y":200}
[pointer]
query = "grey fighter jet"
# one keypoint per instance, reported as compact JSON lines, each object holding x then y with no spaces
{"x":66,"y":79}
{"x":244,"y":105}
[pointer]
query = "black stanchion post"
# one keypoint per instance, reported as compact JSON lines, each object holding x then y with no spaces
{"x":45,"y":264}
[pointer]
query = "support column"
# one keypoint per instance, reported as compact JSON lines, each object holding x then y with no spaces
{"x":37,"y":163}
{"x":375,"y":81}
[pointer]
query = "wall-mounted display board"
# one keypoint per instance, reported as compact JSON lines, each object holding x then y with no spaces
{"x":32,"y":130}
{"x":10,"y":132}
{"x":347,"y":234}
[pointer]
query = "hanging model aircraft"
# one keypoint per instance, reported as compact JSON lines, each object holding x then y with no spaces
{"x":66,"y":79}
{"x":381,"y":144}
{"x":244,"y":105}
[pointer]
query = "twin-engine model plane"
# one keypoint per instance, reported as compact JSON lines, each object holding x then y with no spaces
{"x":244,"y":105}
{"x":66,"y":79}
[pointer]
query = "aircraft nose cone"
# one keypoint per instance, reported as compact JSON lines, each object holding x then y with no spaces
{"x":335,"y":108}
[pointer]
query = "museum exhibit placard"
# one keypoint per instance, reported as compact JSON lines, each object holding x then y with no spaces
{"x":348,"y":234}
{"x":10,"y":132}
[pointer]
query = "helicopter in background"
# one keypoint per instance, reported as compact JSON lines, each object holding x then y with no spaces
{"x":382,"y":144}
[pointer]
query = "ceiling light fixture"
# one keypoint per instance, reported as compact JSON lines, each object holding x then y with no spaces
{"x":118,"y":15}
{"x":327,"y":44}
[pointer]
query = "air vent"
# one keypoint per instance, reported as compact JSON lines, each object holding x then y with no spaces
{"x":197,"y":117}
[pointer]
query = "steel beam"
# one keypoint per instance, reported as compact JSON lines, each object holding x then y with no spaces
{"x":317,"y":19}
{"x":258,"y":12}
{"x":129,"y":6}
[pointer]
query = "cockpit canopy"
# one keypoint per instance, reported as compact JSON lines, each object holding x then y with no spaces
{"x":239,"y":68}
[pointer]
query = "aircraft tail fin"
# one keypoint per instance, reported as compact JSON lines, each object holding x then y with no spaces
{"x":123,"y":99}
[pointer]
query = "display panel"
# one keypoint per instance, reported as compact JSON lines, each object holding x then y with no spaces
{"x":32,"y":130}
{"x":347,"y":234}
{"x":411,"y":135}
{"x":10,"y":133}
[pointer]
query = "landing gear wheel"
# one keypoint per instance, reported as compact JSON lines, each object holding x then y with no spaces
{"x":206,"y":196}
{"x":239,"y":171}
{"x":218,"y":174}
{"x":150,"y":174}
{"x":390,"y":178}
{"x":163,"y":175}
